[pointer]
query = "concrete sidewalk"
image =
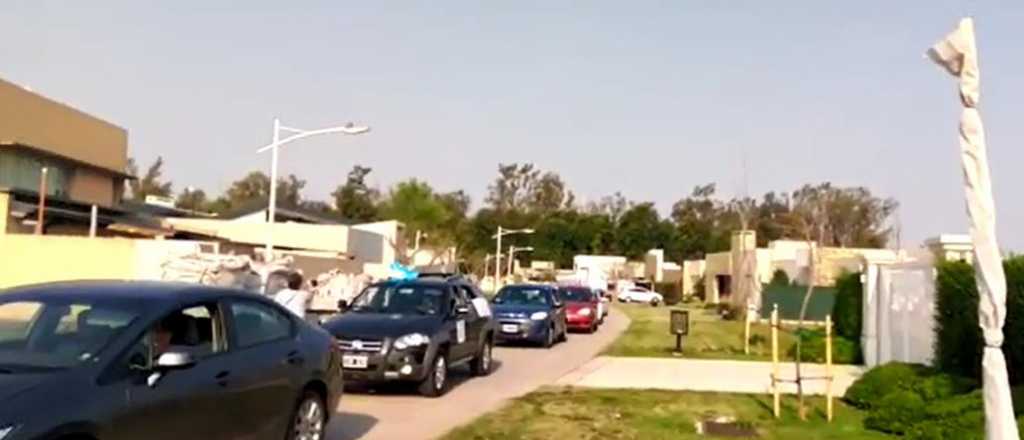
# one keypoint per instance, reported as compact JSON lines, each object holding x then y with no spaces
{"x":703,"y":375}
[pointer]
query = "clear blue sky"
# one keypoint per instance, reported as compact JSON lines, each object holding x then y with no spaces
{"x":647,"y":98}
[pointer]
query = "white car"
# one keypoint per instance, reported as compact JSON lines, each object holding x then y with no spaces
{"x":641,"y":295}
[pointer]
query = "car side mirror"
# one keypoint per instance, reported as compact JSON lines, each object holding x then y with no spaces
{"x":174,"y":360}
{"x":342,"y":305}
{"x":167,"y":362}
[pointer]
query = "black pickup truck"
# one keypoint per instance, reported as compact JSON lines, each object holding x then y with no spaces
{"x":415,"y":330}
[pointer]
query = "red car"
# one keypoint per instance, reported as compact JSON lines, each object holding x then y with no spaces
{"x":583,"y":308}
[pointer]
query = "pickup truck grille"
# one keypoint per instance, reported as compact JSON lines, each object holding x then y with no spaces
{"x":361,"y":345}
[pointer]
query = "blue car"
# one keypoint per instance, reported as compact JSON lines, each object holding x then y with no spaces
{"x":530,"y":313}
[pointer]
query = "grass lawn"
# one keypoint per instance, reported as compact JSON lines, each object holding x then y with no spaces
{"x":710,"y":336}
{"x":561,"y":413}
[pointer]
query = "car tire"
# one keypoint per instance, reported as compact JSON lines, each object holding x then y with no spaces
{"x":549,"y":337}
{"x":309,"y":418}
{"x":483,"y":362}
{"x":436,"y":382}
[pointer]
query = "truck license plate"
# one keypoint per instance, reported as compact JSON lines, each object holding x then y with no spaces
{"x":510,"y":328}
{"x":354,"y":361}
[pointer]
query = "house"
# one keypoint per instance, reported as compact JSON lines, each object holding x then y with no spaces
{"x":84,"y":159}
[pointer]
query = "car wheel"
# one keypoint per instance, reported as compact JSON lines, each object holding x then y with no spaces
{"x":481,"y":365}
{"x":309,"y":419}
{"x":549,"y":337}
{"x":436,"y":382}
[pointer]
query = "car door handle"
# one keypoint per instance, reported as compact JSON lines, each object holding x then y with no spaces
{"x":222,"y":378}
{"x":294,"y":358}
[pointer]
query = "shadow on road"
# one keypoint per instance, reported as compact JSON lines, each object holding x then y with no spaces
{"x":456,"y":376}
{"x":349,"y":426}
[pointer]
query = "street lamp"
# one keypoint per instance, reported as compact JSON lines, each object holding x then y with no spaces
{"x":512,"y":255}
{"x":497,"y":252}
{"x":349,"y":129}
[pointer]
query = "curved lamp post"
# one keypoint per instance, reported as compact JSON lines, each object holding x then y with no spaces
{"x":296,"y":134}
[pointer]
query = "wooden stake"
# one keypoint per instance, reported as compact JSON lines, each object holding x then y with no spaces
{"x":746,"y":334}
{"x":775,"y":361}
{"x":828,"y":366}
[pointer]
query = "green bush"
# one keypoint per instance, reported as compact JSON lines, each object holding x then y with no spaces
{"x":729,"y":311}
{"x":844,"y":351}
{"x":959,"y":417}
{"x":869,"y":390}
{"x":847,"y":311}
{"x":896,"y":413}
{"x":779,"y":278}
{"x":958,"y":338}
{"x":673,"y":292}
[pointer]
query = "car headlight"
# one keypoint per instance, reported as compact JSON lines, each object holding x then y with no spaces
{"x":410,"y":340}
{"x":6,"y":430}
{"x":584,"y":312}
{"x":539,"y":316}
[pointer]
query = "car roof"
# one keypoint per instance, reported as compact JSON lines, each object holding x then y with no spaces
{"x":151,"y":293}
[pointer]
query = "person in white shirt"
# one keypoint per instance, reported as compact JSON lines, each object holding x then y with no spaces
{"x":294,"y":298}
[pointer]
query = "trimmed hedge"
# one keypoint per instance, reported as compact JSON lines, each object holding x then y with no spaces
{"x":958,"y":338}
{"x":848,"y":310}
{"x":868,"y":391}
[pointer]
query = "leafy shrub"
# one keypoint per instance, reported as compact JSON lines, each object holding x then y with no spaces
{"x":844,"y":351}
{"x":958,"y":338}
{"x":896,"y":413}
{"x":673,"y":292}
{"x":868,"y":391}
{"x":959,"y":417}
{"x":941,"y":386}
{"x":779,"y":278}
{"x":847,"y":312}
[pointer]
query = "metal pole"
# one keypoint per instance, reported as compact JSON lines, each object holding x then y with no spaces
{"x":92,"y":221}
{"x":497,"y":260}
{"x":41,"y":209}
{"x":272,"y":207}
{"x":511,"y":258}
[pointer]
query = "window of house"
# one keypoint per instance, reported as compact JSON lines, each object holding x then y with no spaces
{"x":23,"y":171}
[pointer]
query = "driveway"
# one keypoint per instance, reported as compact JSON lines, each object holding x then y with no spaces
{"x":400,"y":414}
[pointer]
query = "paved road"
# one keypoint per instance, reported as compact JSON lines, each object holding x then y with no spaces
{"x":398,"y":414}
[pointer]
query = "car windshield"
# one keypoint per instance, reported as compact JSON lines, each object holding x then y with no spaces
{"x":401,"y":299}
{"x":44,"y":334}
{"x":575,"y":294}
{"x":521,"y":296}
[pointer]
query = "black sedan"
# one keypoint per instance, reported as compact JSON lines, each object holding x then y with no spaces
{"x":127,"y":361}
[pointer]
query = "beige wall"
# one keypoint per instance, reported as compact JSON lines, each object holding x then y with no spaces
{"x":30,"y":119}
{"x":31,"y":259}
{"x":333,"y":238}
{"x":91,"y":186}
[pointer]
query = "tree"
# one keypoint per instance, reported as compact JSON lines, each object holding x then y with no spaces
{"x":641,"y":229}
{"x":150,"y":183}
{"x":612,"y":206}
{"x":512,"y":188}
{"x":413,"y":203}
{"x":192,"y":199}
{"x":354,"y":200}
{"x":700,"y":223}
{"x":255,"y":186}
{"x":548,"y":193}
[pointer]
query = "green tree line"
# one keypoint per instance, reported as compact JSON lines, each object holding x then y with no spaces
{"x":524,"y":196}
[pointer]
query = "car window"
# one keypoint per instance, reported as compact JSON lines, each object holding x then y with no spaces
{"x":54,"y":333}
{"x":195,"y":330}
{"x":401,"y":298}
{"x":575,"y":294}
{"x":256,"y":323}
{"x":522,"y":295}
